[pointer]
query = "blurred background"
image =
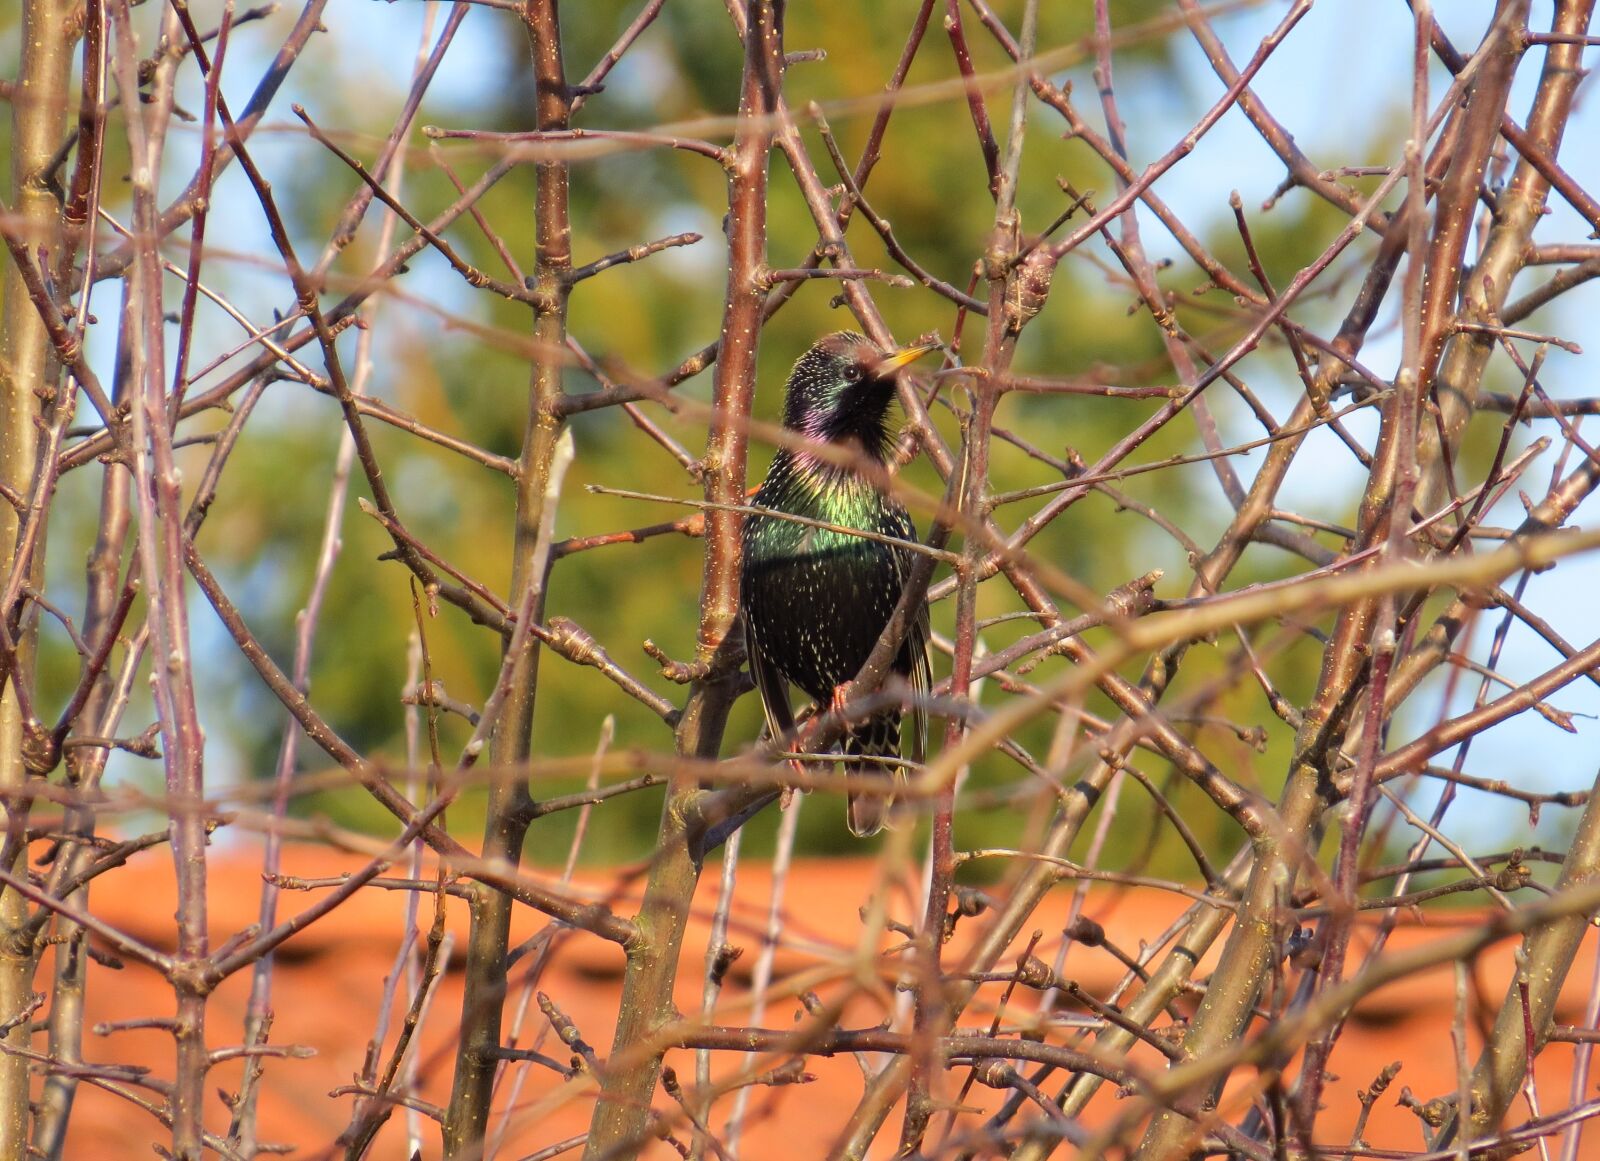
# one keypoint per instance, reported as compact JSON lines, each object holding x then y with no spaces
{"x":455,"y":357}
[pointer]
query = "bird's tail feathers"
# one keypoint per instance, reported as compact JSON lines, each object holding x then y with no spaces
{"x":868,"y":810}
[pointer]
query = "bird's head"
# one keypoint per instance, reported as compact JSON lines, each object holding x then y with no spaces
{"x":840,"y":390}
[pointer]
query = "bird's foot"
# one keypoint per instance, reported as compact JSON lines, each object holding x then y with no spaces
{"x":839,"y":703}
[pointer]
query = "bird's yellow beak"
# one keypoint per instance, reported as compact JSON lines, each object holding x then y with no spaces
{"x":904,"y":356}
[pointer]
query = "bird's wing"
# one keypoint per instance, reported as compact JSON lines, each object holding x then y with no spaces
{"x":773,"y":688}
{"x":915,"y":647}
{"x":921,"y":684}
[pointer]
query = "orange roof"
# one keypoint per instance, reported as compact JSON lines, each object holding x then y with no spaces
{"x":328,"y":989}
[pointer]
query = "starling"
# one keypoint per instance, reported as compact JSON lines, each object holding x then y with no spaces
{"x":817,"y":600}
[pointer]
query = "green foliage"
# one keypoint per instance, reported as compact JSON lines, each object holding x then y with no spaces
{"x":458,"y":360}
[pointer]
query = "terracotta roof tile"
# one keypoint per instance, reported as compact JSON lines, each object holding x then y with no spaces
{"x":328,"y":988}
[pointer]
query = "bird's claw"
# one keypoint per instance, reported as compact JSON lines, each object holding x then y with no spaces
{"x":839,"y":703}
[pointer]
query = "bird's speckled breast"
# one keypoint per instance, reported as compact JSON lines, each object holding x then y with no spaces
{"x":818,"y":599}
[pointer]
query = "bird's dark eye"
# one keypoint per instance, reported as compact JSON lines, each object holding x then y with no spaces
{"x":852,"y":374}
